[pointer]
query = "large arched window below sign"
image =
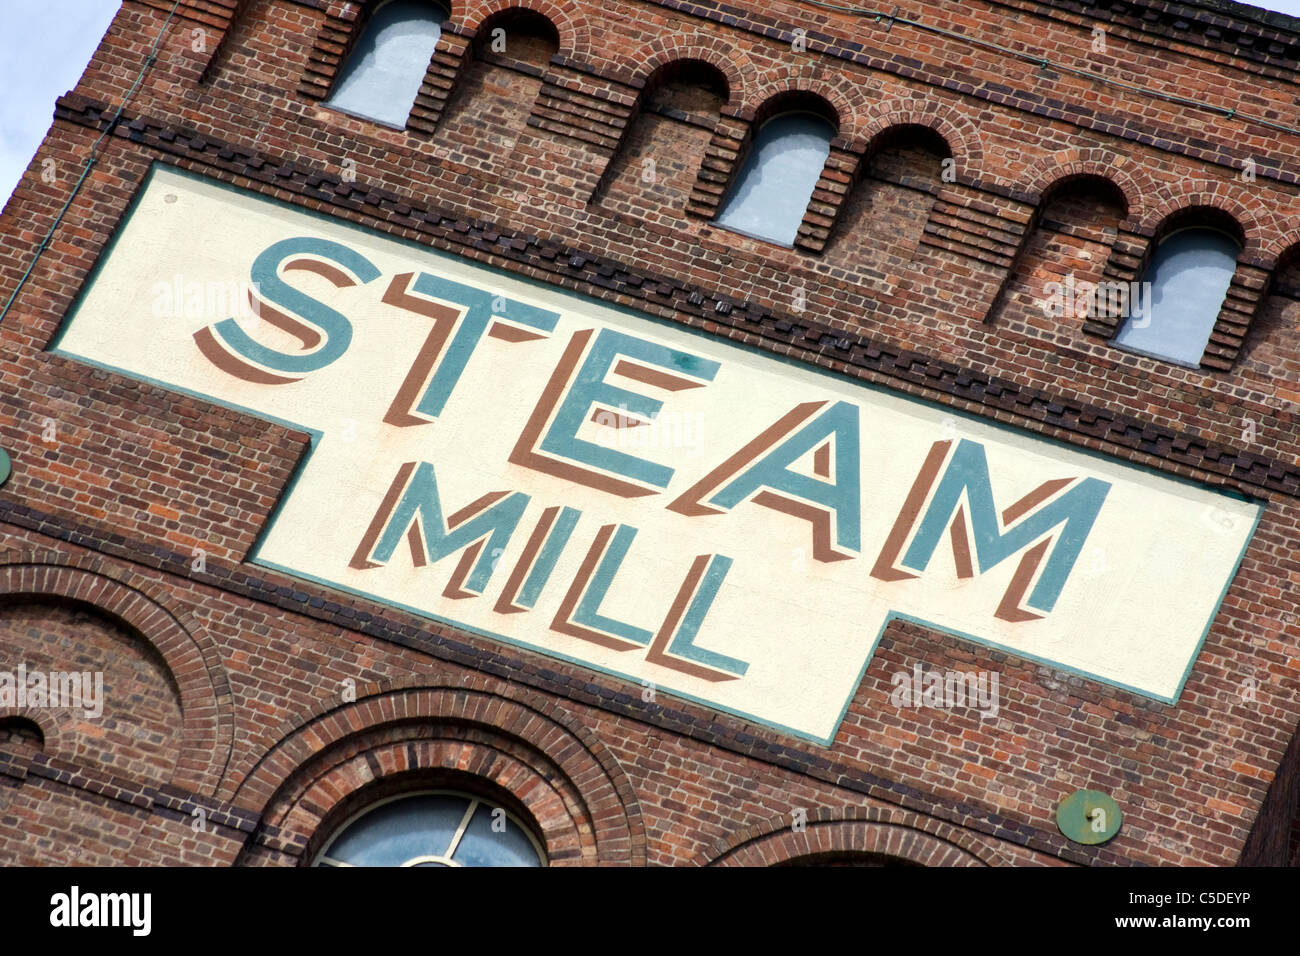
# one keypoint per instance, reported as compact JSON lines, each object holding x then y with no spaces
{"x":383,"y":73}
{"x":777,"y":178}
{"x":1189,"y":277}
{"x":433,"y":828}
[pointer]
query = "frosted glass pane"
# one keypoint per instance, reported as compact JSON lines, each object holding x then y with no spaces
{"x":415,"y":828}
{"x":387,"y":65}
{"x":399,"y":831}
{"x":1189,"y":275}
{"x":778,"y":177}
{"x":483,"y":846}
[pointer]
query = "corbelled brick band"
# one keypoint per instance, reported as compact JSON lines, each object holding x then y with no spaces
{"x":814,"y":340}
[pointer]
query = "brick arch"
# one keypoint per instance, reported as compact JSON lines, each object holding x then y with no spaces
{"x":847,"y":98}
{"x":954,"y":127}
{"x":569,"y":20}
{"x":887,"y":831}
{"x":51,"y":722}
{"x":207,"y":705}
{"x":1136,"y":184}
{"x":479,"y":723}
{"x":1229,"y":197}
{"x":733,"y":64}
{"x":1287,"y":251}
{"x":343,"y":780}
{"x":1283,"y":240}
{"x":947,"y":121}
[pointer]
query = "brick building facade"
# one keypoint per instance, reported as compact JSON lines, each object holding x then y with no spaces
{"x":981,"y":153}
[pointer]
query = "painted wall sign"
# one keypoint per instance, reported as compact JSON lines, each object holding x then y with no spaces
{"x":690,"y":514}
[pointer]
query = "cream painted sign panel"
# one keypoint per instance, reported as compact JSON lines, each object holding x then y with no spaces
{"x":691,"y":515}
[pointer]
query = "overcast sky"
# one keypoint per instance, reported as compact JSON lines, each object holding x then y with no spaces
{"x":44,"y":46}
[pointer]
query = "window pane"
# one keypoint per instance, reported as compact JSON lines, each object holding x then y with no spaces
{"x":399,"y":831}
{"x":422,"y":826}
{"x":778,"y":177}
{"x":1189,"y":275}
{"x":483,"y":846}
{"x":387,"y":65}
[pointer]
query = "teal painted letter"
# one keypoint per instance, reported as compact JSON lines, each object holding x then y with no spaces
{"x":336,"y":328}
{"x":843,"y":497}
{"x":421,"y":499}
{"x":590,"y":388}
{"x":968,"y":472}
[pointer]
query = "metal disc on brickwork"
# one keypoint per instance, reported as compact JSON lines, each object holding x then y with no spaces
{"x":5,"y":466}
{"x":1088,"y":816}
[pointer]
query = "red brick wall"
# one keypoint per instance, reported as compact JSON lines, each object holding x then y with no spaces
{"x":924,"y":285}
{"x":140,"y":741}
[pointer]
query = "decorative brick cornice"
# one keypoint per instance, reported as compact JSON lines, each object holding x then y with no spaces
{"x":1225,"y":28}
{"x":913,"y":372}
{"x":863,"y":53}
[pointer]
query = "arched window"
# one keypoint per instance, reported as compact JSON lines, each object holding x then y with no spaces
{"x":778,"y":176}
{"x":1189,"y":277}
{"x":384,"y":71}
{"x":433,"y":828}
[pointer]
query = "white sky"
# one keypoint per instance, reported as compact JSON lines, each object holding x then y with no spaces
{"x":45,"y":45}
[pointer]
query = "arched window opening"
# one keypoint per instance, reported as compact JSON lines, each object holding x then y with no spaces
{"x":1051,"y":292}
{"x":522,"y":35}
{"x":1273,"y":341}
{"x":433,"y":828}
{"x":883,"y":217}
{"x":1179,"y":301}
{"x":908,"y":155}
{"x":778,"y":176}
{"x":1084,"y":204}
{"x":692,"y":87}
{"x":657,"y":160}
{"x":383,"y":73}
{"x":1285,"y":280}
